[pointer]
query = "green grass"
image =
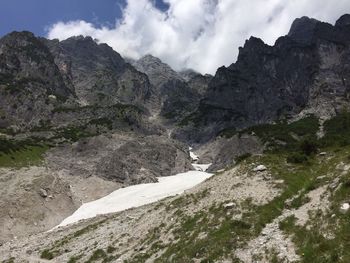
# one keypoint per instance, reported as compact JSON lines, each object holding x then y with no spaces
{"x":97,"y":255}
{"x":57,"y":247}
{"x":47,"y":254}
{"x":101,"y":256}
{"x":310,"y":241}
{"x":279,"y":131}
{"x":73,"y":133}
{"x":223,"y":234}
{"x":28,"y":152}
{"x":337,"y":130}
{"x":75,"y":259}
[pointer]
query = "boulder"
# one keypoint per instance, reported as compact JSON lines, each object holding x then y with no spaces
{"x":260,"y":168}
{"x":43,"y":193}
{"x":344,"y":208}
{"x":229,"y":205}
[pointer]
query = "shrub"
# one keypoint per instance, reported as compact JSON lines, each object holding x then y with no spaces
{"x":308,"y":146}
{"x":47,"y":254}
{"x":297,"y":158}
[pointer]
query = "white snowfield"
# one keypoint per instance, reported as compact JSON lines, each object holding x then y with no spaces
{"x":141,"y":194}
{"x":137,"y":195}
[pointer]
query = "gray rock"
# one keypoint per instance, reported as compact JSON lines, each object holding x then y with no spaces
{"x":43,"y":193}
{"x":175,"y":94}
{"x":260,"y":168}
{"x":124,"y":158}
{"x":344,"y":208}
{"x":229,"y":205}
{"x":306,"y":70}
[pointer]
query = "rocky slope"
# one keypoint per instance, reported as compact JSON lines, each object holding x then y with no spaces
{"x":43,"y":184}
{"x":177,"y":94}
{"x":98,"y":74}
{"x":73,"y":113}
{"x":122,"y":158}
{"x":289,"y":204}
{"x":306,"y":71}
{"x":30,"y":83}
{"x":45,"y":79}
{"x":240,"y":215}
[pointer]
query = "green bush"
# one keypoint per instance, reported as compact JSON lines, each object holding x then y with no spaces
{"x":47,"y":254}
{"x":297,"y":157}
{"x":309,"y":146}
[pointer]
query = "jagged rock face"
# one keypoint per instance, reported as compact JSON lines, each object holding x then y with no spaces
{"x":199,"y":83}
{"x":47,"y":81}
{"x":343,"y":21}
{"x":123,"y":158}
{"x":307,"y":70}
{"x":158,"y":72}
{"x":131,"y":165}
{"x":177,"y":94}
{"x":98,"y":73}
{"x":29,"y":78}
{"x":302,"y":29}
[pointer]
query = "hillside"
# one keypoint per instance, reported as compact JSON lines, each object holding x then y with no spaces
{"x":87,"y":134}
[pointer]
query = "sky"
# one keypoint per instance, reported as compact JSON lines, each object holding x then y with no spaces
{"x":198,"y":34}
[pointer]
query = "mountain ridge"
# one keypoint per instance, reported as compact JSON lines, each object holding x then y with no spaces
{"x":268,"y":83}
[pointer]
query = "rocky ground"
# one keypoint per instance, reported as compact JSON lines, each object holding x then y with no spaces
{"x":239,"y":215}
{"x":37,"y":198}
{"x":125,"y":158}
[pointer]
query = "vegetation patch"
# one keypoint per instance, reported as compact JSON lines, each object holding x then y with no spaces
{"x":19,"y":153}
{"x":58,"y":247}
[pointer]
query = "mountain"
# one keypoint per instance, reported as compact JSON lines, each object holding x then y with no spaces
{"x":177,"y":94}
{"x":306,"y":71}
{"x":98,"y":74}
{"x":29,"y":78}
{"x":48,"y":81}
{"x":79,"y":122}
{"x":74,"y":122}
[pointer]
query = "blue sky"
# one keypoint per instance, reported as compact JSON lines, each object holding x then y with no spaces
{"x":37,"y":15}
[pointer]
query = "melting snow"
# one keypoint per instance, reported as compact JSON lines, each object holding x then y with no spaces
{"x":141,"y":194}
{"x":137,"y":195}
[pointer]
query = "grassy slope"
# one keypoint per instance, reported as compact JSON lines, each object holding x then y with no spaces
{"x":223,"y":234}
{"x":21,"y":153}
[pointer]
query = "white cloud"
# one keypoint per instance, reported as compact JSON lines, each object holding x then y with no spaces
{"x":199,"y":34}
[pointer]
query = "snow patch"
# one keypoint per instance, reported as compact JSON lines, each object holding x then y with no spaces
{"x":137,"y":195}
{"x":193,"y":156}
{"x":201,"y":167}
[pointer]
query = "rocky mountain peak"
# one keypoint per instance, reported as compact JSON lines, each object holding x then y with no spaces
{"x":24,"y":59}
{"x":251,"y":51}
{"x":302,"y":29}
{"x":188,"y":74}
{"x":344,"y":20}
{"x":98,"y":73}
{"x":18,"y":36}
{"x":157,"y":71}
{"x":23,"y":42}
{"x":150,"y":59}
{"x":252,"y":45}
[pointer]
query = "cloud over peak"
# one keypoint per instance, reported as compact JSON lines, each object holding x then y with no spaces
{"x":198,"y":34}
